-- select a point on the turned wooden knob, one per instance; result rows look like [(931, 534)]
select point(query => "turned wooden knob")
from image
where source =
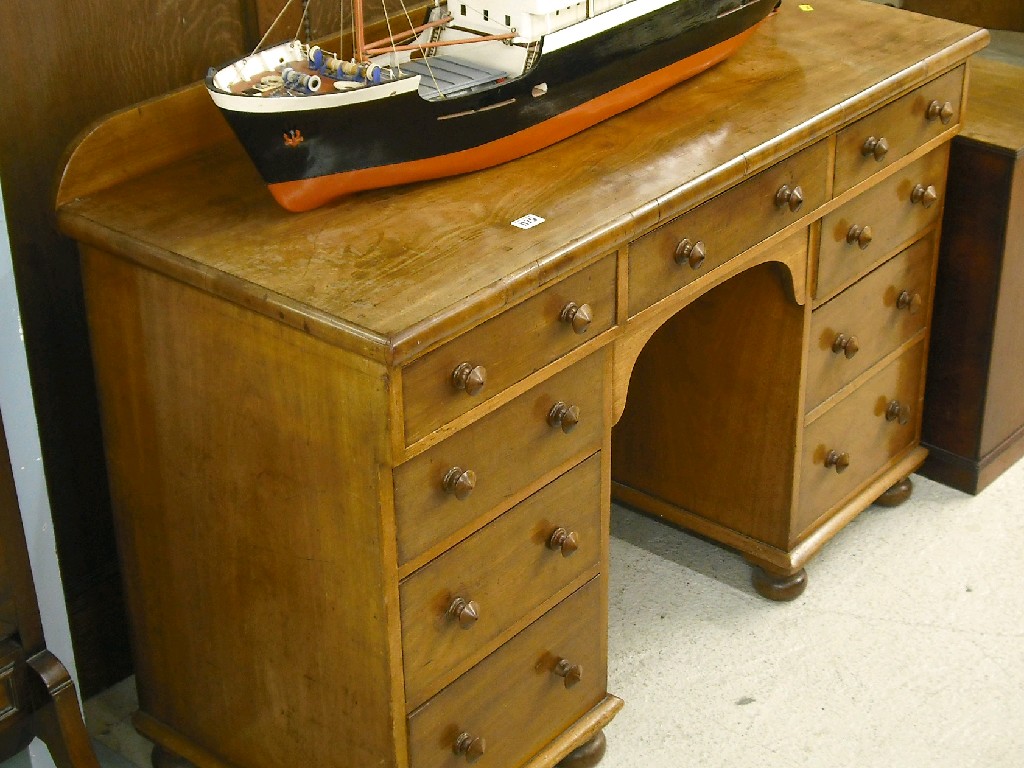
[(846, 344), (691, 253), (912, 302), (838, 461), (466, 612), (940, 110), (459, 482), (877, 148), (564, 541), (569, 672), (791, 196), (897, 411), (469, 378), (578, 316), (564, 416), (469, 746), (926, 196), (861, 235)]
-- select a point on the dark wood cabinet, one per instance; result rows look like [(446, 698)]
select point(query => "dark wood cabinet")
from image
[(974, 408)]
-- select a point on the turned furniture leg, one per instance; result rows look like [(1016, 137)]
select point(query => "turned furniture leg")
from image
[(776, 586), (58, 718), (897, 494), (587, 754)]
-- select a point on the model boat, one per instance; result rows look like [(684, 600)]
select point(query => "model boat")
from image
[(477, 83)]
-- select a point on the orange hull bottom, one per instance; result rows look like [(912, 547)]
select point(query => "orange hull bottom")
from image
[(306, 194)]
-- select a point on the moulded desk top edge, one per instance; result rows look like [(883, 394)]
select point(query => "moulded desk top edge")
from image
[(358, 276)]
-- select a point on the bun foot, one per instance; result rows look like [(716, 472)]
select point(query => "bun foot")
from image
[(587, 754), (779, 588), (897, 494)]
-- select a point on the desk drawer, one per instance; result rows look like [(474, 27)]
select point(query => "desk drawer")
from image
[(901, 127), (869, 320), (865, 231), (509, 347), (864, 435), (505, 451), (724, 227), (513, 701), (505, 570)]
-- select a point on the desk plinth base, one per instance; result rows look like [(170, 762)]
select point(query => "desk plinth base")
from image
[(581, 745)]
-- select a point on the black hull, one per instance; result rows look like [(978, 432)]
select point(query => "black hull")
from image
[(406, 128)]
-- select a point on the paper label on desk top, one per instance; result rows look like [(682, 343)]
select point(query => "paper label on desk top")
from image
[(528, 221), (806, 7)]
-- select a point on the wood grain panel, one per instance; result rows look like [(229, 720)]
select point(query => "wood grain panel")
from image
[(534, 327), (514, 700), (111, 55), (726, 225), (719, 378), (868, 312), (903, 124), (994, 14), (858, 427), (891, 215), (220, 541), (427, 514), (508, 569)]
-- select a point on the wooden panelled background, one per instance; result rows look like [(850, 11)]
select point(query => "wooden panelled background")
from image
[(994, 14), (72, 63)]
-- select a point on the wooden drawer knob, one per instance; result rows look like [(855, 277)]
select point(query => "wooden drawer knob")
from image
[(846, 344), (912, 302), (897, 411), (469, 378), (459, 482), (564, 416), (926, 196), (564, 541), (578, 316), (839, 461), (861, 235), (940, 110), (569, 672), (691, 253), (469, 746), (466, 612), (791, 196), (877, 148)]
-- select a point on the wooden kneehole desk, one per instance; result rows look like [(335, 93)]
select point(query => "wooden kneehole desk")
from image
[(361, 458)]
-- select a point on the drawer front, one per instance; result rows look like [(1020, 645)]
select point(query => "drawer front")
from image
[(459, 605), (860, 234), (897, 129), (505, 451), (668, 258), (864, 431), (869, 320), (514, 702), (508, 347)]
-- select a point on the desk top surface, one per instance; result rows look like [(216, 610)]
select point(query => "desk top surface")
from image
[(389, 272)]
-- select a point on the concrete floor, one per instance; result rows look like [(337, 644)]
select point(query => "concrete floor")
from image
[(907, 649)]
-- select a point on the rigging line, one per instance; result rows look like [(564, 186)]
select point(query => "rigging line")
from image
[(304, 21), (271, 27), (426, 58)]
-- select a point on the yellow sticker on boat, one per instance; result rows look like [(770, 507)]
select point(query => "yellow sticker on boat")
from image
[(806, 7)]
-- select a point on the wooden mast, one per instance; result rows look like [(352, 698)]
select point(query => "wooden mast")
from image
[(357, 24)]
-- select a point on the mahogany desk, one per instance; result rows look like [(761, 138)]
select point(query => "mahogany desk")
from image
[(362, 457)]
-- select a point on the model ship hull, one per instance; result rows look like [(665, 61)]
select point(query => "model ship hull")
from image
[(405, 138)]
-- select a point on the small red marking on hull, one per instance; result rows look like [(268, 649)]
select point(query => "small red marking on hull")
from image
[(306, 194)]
